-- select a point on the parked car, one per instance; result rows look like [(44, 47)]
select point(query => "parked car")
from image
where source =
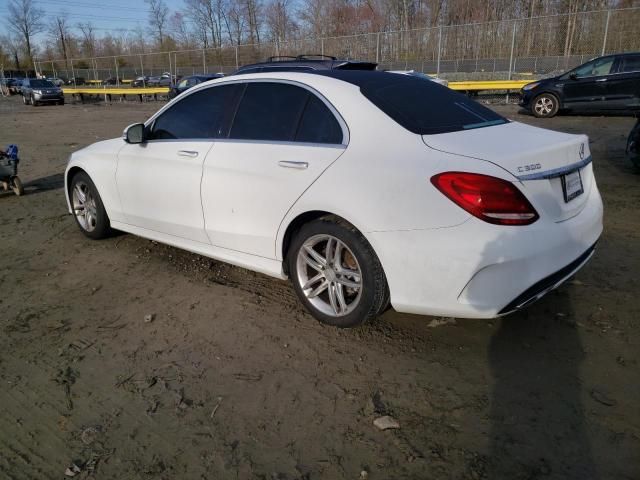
[(10, 84), (141, 81), (633, 145), (448, 222), (189, 82), (36, 91), (112, 81), (303, 63), (76, 81), (605, 84), (424, 76), (164, 80)]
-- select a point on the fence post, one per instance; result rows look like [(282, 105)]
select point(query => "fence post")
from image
[(237, 57), (115, 61), (606, 32), (513, 43), (439, 50), (53, 68), (204, 62), (378, 47), (322, 46), (73, 74)]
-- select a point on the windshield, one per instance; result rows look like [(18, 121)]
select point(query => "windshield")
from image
[(40, 83), (427, 108)]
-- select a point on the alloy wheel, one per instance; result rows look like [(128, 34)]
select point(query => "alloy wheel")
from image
[(329, 274), (544, 106), (84, 206)]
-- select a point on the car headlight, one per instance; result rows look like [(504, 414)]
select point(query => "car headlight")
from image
[(529, 86), (39, 92)]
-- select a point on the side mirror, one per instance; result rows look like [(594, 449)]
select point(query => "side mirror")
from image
[(134, 133), (573, 76)]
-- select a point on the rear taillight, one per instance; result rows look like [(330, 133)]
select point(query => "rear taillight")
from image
[(489, 198)]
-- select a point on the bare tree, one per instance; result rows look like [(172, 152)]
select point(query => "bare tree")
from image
[(25, 20), (59, 31), (12, 46), (88, 38), (158, 17)]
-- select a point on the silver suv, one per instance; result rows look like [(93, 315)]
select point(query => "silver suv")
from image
[(35, 91)]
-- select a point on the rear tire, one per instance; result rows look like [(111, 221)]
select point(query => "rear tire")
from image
[(88, 210), (16, 186), (336, 274), (24, 100), (545, 105)]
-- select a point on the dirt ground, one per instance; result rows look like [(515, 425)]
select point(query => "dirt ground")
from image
[(232, 379)]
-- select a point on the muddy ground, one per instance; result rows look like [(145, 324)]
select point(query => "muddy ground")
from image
[(232, 379)]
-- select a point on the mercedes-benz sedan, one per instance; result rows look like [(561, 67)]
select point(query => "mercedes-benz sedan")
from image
[(364, 188)]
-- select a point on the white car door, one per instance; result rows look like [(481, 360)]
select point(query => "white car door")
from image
[(159, 180), (282, 138)]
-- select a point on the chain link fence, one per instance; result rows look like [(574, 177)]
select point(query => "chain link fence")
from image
[(510, 49)]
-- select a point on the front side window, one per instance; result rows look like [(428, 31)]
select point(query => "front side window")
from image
[(596, 68), (200, 115)]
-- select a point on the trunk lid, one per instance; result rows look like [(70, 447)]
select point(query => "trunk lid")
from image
[(537, 157)]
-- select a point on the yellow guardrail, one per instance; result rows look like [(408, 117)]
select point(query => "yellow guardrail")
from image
[(116, 91), (463, 86), (489, 85)]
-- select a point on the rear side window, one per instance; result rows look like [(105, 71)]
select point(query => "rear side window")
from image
[(269, 111), (283, 112), (199, 115), (318, 124), (424, 107), (630, 63)]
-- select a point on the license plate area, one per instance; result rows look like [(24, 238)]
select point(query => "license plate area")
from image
[(572, 185)]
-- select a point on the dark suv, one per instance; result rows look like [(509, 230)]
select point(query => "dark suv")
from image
[(303, 63), (605, 84)]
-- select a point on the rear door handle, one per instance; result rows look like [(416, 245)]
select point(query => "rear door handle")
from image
[(187, 153), (601, 80), (297, 165)]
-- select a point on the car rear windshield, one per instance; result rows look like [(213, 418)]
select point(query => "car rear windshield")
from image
[(40, 83), (424, 107)]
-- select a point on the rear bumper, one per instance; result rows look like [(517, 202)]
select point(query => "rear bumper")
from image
[(478, 270)]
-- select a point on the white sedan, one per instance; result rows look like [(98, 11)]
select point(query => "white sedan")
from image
[(364, 188)]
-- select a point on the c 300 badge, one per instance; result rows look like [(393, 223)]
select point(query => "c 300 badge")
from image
[(529, 168)]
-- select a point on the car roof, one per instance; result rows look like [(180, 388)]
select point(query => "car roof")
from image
[(315, 62)]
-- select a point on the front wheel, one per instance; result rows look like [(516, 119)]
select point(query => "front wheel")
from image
[(88, 209), (336, 274), (545, 105), (33, 101)]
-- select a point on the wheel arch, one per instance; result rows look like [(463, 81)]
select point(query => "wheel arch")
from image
[(303, 218), (72, 172)]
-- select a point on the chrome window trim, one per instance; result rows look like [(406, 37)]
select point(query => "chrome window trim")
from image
[(343, 124)]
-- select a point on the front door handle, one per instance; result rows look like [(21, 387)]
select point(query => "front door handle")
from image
[(601, 80), (297, 165), (187, 153)]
